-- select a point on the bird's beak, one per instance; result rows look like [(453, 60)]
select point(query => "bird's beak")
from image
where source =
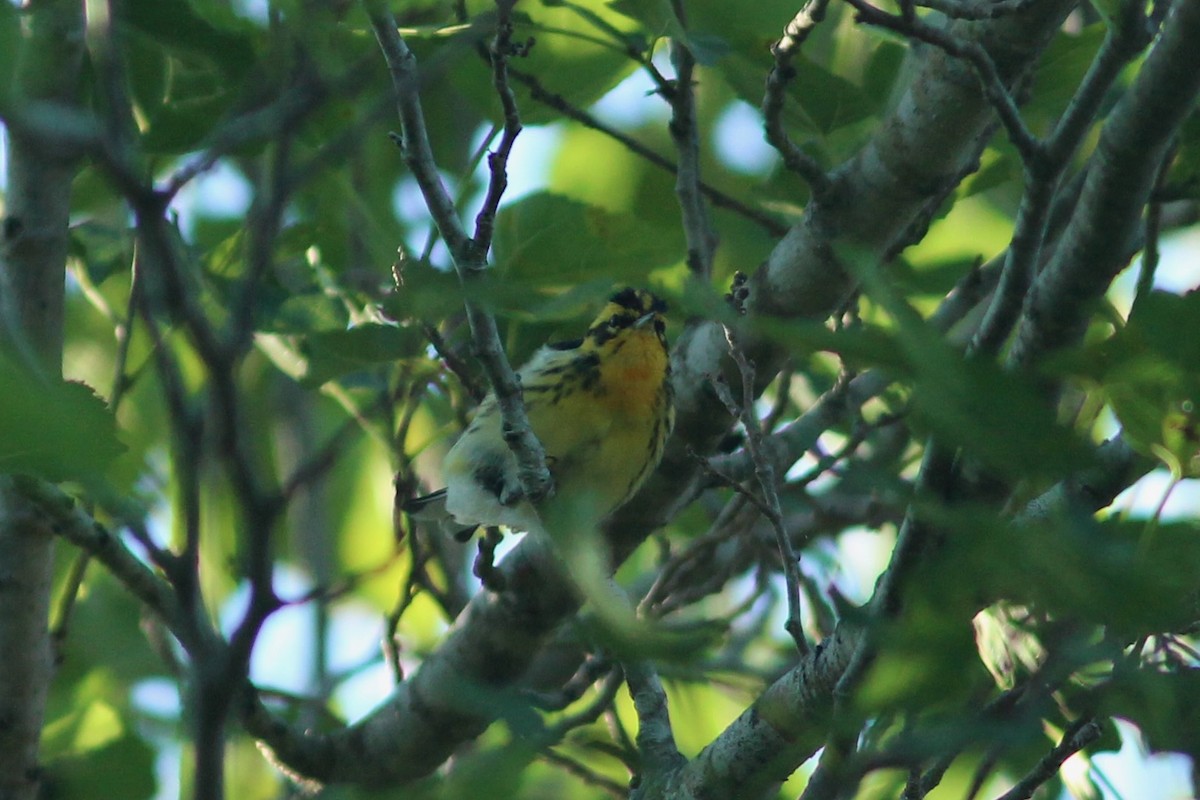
[(644, 319)]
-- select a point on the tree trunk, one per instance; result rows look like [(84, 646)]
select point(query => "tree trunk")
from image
[(33, 251)]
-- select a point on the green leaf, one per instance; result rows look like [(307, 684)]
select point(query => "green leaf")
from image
[(58, 430), (10, 42), (176, 25), (1151, 376), (706, 48), (928, 659), (122, 768), (1060, 71), (829, 100), (1184, 175), (550, 240), (1163, 705), (105, 631), (1134, 577), (331, 354), (994, 415), (580, 51), (1160, 316), (884, 68), (103, 249), (185, 72), (656, 16)]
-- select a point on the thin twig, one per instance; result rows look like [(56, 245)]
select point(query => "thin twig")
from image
[(764, 469), (1043, 168), (976, 9), (1153, 229), (718, 198), (533, 475), (501, 49), (778, 78), (585, 773), (408, 593), (593, 668), (697, 228), (67, 520), (1078, 735), (66, 602)]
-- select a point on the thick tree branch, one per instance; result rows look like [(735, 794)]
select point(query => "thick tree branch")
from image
[(33, 251), (655, 738), (1120, 177), (923, 143), (1042, 175), (469, 254)]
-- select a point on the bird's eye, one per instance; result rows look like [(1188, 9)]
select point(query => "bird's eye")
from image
[(615, 320)]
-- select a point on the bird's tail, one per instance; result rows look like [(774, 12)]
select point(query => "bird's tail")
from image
[(430, 510)]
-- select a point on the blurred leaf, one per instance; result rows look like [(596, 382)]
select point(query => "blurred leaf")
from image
[(549, 240), (829, 101), (106, 629), (57, 430), (1159, 316), (707, 49), (927, 660), (1059, 72), (89, 727), (1183, 179), (10, 39), (1133, 577), (999, 164), (996, 416), (185, 71), (149, 71), (1151, 376), (103, 249), (581, 50), (1009, 649), (862, 346), (301, 313), (176, 24), (331, 354), (656, 16), (1163, 705), (122, 768), (931, 277), (884, 69)]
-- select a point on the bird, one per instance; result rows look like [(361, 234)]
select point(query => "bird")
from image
[(601, 406)]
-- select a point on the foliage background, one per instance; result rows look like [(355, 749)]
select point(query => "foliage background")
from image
[(334, 387)]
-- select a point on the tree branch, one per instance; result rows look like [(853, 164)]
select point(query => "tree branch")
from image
[(778, 78), (655, 739), (698, 231), (33, 251), (1121, 174), (932, 129), (469, 260)]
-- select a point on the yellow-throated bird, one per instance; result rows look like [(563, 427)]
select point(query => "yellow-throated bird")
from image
[(601, 406)]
